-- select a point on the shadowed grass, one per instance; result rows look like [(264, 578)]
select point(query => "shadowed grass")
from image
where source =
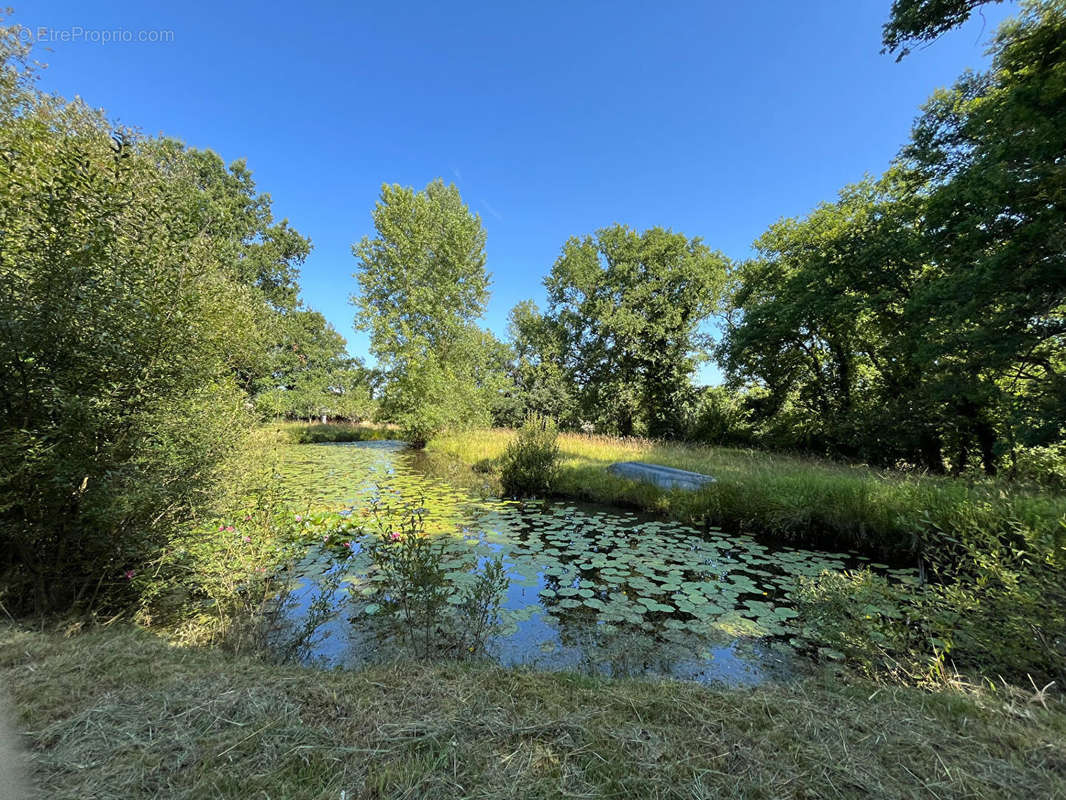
[(804, 500), (121, 714)]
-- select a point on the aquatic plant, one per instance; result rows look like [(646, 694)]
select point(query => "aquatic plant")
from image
[(437, 601), (530, 463)]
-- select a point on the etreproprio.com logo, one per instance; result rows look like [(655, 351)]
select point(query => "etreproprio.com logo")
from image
[(77, 34)]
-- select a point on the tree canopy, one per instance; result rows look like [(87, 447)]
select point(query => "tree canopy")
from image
[(913, 22), (423, 286)]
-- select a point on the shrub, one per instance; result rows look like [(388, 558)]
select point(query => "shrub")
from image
[(530, 464), (1044, 466), (124, 331), (424, 597)]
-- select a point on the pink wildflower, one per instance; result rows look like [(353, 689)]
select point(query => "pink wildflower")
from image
[(230, 529), (247, 540), (350, 545), (394, 536), (299, 518), (130, 573), (222, 527)]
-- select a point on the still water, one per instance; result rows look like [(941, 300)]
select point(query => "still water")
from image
[(589, 588)]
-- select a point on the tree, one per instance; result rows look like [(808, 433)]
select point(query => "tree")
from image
[(913, 22), (261, 252), (309, 372), (423, 284), (817, 322), (541, 385), (122, 331), (627, 308), (989, 153), (923, 316)]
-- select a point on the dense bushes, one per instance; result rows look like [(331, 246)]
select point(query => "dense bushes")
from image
[(1044, 466), (529, 465), (127, 336)]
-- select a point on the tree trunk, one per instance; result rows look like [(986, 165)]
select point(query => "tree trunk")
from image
[(932, 452)]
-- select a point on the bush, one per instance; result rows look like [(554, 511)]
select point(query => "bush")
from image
[(124, 330), (423, 594), (720, 418), (530, 464), (1044, 466)]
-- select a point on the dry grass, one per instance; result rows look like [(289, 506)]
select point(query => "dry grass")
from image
[(122, 714)]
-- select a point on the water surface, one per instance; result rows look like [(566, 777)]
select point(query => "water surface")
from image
[(590, 588)]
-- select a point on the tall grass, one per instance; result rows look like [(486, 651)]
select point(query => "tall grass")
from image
[(316, 433), (803, 500)]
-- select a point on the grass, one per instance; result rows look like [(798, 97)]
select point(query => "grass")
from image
[(315, 432), (804, 500), (119, 713)]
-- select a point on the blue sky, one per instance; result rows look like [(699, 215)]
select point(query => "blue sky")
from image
[(553, 119)]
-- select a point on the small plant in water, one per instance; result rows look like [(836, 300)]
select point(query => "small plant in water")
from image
[(434, 600), (530, 464)]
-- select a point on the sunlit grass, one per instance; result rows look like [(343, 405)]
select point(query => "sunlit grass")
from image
[(315, 432)]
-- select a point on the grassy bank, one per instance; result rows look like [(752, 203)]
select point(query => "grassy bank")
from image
[(119, 713), (316, 433), (796, 499)]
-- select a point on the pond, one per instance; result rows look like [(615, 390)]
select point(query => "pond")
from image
[(588, 588)]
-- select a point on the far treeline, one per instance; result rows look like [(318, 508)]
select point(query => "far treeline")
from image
[(914, 322), (150, 314)]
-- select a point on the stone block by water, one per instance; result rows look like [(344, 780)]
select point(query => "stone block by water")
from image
[(663, 477)]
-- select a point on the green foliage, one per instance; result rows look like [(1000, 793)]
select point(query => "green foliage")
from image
[(541, 385), (918, 21), (720, 417), (148, 296), (873, 624), (626, 309), (429, 397), (124, 334), (422, 285), (1044, 466), (1002, 619), (310, 374), (418, 595), (303, 433), (899, 325), (422, 277), (530, 464)]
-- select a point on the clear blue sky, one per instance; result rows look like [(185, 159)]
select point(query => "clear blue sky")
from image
[(553, 119)]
